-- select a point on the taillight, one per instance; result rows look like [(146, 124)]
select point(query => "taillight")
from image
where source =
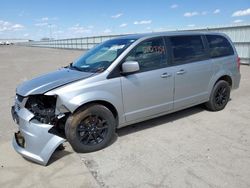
[(238, 63)]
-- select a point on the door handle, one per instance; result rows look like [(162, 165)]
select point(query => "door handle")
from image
[(180, 72), (166, 75)]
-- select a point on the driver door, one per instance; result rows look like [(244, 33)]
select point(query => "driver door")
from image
[(150, 91)]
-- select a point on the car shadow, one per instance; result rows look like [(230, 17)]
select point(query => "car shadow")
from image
[(58, 154), (159, 121)]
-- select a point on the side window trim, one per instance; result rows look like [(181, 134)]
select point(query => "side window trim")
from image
[(169, 50), (206, 46)]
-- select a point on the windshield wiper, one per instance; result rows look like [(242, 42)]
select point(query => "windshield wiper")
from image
[(67, 66), (98, 70), (74, 67)]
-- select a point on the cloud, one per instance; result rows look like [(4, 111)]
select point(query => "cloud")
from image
[(117, 16), (26, 34), (173, 6), (21, 14), (17, 26), (191, 25), (203, 13), (160, 29), (107, 31), (123, 25), (142, 22), (90, 27), (8, 26), (78, 29), (42, 24), (44, 19), (216, 11), (58, 32), (190, 14), (238, 21), (245, 12)]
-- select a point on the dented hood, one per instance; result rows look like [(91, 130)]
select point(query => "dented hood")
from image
[(50, 81)]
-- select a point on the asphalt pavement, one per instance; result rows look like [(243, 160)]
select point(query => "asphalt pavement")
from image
[(190, 148)]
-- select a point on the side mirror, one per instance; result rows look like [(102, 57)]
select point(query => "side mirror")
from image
[(130, 67)]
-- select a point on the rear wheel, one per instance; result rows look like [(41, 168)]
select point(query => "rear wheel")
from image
[(90, 129), (219, 96)]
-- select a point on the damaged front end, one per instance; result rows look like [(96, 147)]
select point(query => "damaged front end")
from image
[(41, 127), (43, 107)]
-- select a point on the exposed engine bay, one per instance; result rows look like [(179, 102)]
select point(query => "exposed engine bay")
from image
[(43, 107)]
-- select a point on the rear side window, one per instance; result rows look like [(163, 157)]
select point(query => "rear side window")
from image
[(219, 46), (187, 49)]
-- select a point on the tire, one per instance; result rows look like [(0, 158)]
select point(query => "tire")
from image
[(90, 129), (219, 96)]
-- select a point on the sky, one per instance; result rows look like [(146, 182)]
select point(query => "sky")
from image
[(27, 19)]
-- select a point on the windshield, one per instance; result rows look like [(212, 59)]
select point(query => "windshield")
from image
[(102, 56)]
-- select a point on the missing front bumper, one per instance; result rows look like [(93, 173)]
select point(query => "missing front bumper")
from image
[(33, 141), (14, 115), (19, 139)]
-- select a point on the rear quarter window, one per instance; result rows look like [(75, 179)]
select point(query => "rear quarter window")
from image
[(219, 46)]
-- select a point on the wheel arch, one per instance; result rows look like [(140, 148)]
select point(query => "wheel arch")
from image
[(107, 104), (226, 78)]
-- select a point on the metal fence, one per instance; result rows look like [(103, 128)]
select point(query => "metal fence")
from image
[(240, 35), (73, 43)]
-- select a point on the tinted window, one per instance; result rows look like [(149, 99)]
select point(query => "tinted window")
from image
[(187, 49), (219, 46), (150, 55)]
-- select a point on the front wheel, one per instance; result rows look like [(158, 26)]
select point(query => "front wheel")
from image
[(219, 96), (90, 128)]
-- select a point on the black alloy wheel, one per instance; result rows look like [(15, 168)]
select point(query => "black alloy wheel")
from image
[(90, 128), (219, 96)]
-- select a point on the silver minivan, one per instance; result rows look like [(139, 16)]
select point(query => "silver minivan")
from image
[(120, 82)]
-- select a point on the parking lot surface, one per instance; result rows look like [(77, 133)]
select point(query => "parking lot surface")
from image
[(190, 148)]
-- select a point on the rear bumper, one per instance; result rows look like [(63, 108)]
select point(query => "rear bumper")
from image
[(33, 141), (236, 81)]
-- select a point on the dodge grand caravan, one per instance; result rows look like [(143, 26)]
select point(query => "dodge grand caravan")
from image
[(120, 82)]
